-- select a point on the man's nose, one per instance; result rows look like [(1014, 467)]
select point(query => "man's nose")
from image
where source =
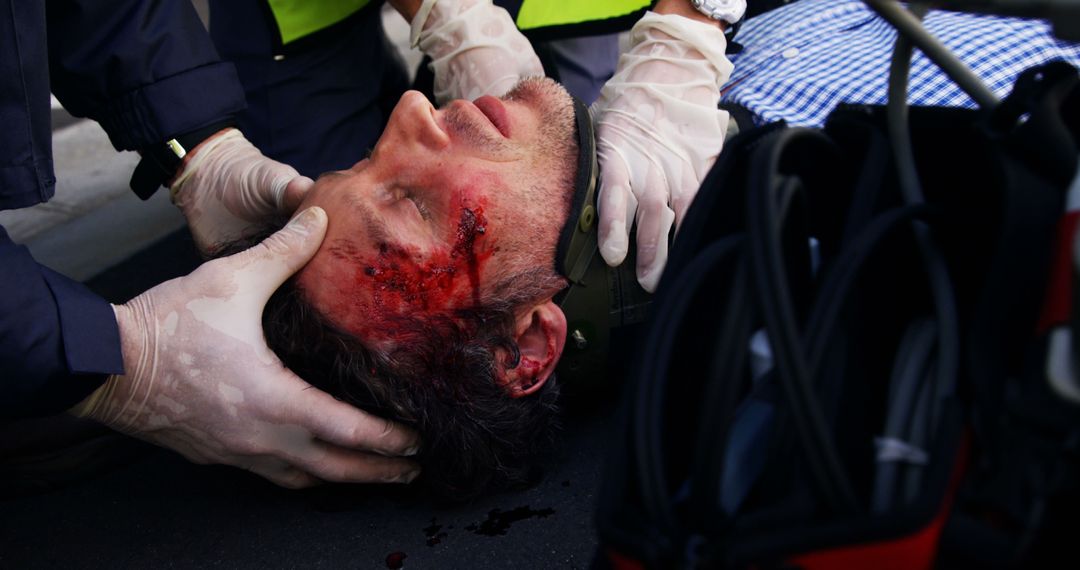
[(415, 117)]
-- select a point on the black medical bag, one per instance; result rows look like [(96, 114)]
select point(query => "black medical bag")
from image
[(835, 376)]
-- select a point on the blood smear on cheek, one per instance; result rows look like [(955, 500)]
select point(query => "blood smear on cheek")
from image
[(403, 288)]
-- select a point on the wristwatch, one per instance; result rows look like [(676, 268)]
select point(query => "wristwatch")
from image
[(730, 11), (160, 162)]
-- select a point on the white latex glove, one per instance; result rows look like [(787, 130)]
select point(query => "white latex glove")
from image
[(658, 133), (228, 190), (201, 380), (475, 48)]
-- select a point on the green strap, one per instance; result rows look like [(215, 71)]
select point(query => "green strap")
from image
[(543, 13), (298, 18)]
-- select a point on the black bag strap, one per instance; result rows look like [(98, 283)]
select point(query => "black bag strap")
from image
[(725, 380), (635, 502), (649, 398), (770, 210), (718, 209), (1044, 159)]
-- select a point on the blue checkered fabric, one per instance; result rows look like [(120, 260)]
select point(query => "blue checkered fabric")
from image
[(803, 59)]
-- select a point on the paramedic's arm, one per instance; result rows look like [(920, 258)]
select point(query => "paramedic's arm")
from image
[(199, 378), (148, 72), (475, 47), (685, 9), (659, 131), (115, 63), (57, 340)]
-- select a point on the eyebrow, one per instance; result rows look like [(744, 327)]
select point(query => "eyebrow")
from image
[(376, 227)]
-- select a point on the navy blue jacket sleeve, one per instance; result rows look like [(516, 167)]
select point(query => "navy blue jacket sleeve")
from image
[(58, 341), (147, 71)]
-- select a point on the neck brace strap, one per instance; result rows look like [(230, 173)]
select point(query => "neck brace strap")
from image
[(599, 297), (578, 241)]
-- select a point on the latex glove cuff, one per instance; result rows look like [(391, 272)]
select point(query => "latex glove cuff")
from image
[(419, 21), (161, 162)]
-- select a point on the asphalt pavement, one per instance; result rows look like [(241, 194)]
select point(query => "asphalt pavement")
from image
[(152, 509)]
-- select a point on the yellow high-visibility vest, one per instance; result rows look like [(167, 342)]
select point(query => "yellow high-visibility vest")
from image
[(298, 18), (536, 14)]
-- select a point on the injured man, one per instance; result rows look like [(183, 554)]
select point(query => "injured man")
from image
[(430, 301), (460, 256)]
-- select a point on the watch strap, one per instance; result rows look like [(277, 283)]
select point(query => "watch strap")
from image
[(730, 11), (160, 162)]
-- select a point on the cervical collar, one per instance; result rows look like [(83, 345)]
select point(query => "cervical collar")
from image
[(600, 298)]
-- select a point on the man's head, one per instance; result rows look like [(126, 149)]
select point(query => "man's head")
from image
[(430, 300)]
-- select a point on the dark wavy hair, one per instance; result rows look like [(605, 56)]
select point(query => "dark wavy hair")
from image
[(441, 380)]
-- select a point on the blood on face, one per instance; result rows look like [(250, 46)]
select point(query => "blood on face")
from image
[(399, 282)]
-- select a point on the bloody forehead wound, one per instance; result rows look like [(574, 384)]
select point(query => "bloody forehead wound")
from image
[(396, 283)]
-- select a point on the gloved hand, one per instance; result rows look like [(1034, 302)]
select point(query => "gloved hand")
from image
[(201, 380), (475, 48), (228, 190), (658, 133)]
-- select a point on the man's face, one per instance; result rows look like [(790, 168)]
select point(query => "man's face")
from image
[(449, 201)]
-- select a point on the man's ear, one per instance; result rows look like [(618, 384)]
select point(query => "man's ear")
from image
[(540, 334)]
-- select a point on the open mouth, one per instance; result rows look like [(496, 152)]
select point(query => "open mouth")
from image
[(494, 110)]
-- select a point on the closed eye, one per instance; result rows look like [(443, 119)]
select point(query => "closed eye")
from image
[(420, 207)]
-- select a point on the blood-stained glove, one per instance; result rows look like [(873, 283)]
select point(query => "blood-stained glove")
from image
[(201, 380), (475, 48), (228, 190), (658, 133)]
